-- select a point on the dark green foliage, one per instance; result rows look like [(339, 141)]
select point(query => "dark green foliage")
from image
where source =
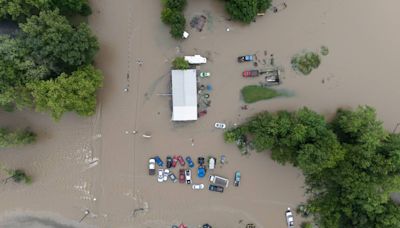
[(177, 5), (242, 10), (10, 138), (177, 25), (57, 45), (263, 5), (75, 92), (306, 62), (19, 10), (351, 166), (19, 176), (180, 63)]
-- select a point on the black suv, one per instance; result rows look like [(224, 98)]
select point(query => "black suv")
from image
[(216, 188)]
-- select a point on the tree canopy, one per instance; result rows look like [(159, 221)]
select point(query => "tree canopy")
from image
[(351, 164), (246, 10), (10, 138)]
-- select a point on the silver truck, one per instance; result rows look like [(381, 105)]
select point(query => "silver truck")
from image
[(219, 181)]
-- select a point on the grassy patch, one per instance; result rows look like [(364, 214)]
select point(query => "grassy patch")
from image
[(254, 93)]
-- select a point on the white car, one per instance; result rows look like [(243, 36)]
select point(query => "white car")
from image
[(289, 218), (152, 166), (220, 125), (196, 59), (160, 175), (198, 186), (166, 174), (211, 163), (188, 176)]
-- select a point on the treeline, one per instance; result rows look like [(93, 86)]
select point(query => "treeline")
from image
[(351, 164), (47, 63)]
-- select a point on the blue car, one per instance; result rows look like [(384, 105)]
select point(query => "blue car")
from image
[(189, 161), (201, 172), (245, 58), (159, 161)]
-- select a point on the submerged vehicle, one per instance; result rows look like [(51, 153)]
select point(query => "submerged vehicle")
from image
[(204, 74), (152, 166), (188, 176), (220, 181), (201, 171), (196, 59), (216, 188), (211, 163), (237, 179), (250, 73), (159, 161), (189, 161), (289, 218), (245, 58), (169, 162)]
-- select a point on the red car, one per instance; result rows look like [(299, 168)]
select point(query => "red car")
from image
[(181, 161), (174, 161), (250, 73), (182, 176)]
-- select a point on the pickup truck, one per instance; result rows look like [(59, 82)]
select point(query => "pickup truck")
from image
[(250, 73), (219, 181)]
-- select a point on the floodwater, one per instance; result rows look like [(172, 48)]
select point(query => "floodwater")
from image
[(100, 164)]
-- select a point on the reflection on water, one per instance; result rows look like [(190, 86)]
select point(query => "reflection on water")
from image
[(33, 221)]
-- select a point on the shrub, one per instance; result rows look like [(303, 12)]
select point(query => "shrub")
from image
[(242, 10), (254, 93), (306, 62), (14, 138), (263, 5), (177, 5), (180, 63)]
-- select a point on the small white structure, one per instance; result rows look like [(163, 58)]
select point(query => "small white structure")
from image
[(185, 35), (196, 59), (184, 95)]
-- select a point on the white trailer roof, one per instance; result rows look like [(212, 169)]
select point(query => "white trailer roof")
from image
[(184, 95)]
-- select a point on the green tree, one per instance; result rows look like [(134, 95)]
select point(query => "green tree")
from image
[(306, 62), (17, 68), (242, 10), (263, 5), (18, 176), (56, 44), (19, 10), (177, 5), (10, 138), (75, 92), (180, 63)]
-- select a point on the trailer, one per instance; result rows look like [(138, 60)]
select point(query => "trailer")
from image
[(196, 59), (219, 181)]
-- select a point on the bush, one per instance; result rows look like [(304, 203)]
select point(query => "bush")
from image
[(177, 5), (180, 63), (254, 93), (306, 225), (242, 10), (306, 62), (324, 50), (263, 5), (14, 138)]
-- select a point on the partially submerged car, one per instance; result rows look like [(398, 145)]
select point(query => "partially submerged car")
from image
[(216, 188), (166, 174), (152, 166), (201, 171), (220, 125), (169, 162), (211, 163), (189, 161), (159, 161), (174, 161), (198, 186), (245, 58), (200, 160), (289, 218), (160, 177), (181, 176), (204, 74), (250, 73), (196, 59), (237, 178), (181, 161), (173, 177), (188, 176)]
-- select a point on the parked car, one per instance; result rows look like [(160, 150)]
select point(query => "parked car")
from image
[(173, 177), (289, 218), (189, 161), (201, 171), (211, 163), (188, 176), (198, 186), (220, 125), (166, 174), (169, 162), (182, 176), (195, 59), (236, 181), (200, 160), (152, 166), (250, 73), (174, 161), (204, 74), (206, 226), (216, 188), (245, 58), (159, 161), (160, 175), (181, 161)]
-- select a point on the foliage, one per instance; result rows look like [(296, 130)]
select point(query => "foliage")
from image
[(242, 10), (351, 165), (178, 26), (17, 67), (263, 5), (10, 138), (324, 50), (19, 10), (19, 176), (306, 225), (75, 92), (177, 5), (180, 63), (56, 44), (254, 93), (306, 62)]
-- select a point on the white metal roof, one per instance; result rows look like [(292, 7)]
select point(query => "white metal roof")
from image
[(184, 95)]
